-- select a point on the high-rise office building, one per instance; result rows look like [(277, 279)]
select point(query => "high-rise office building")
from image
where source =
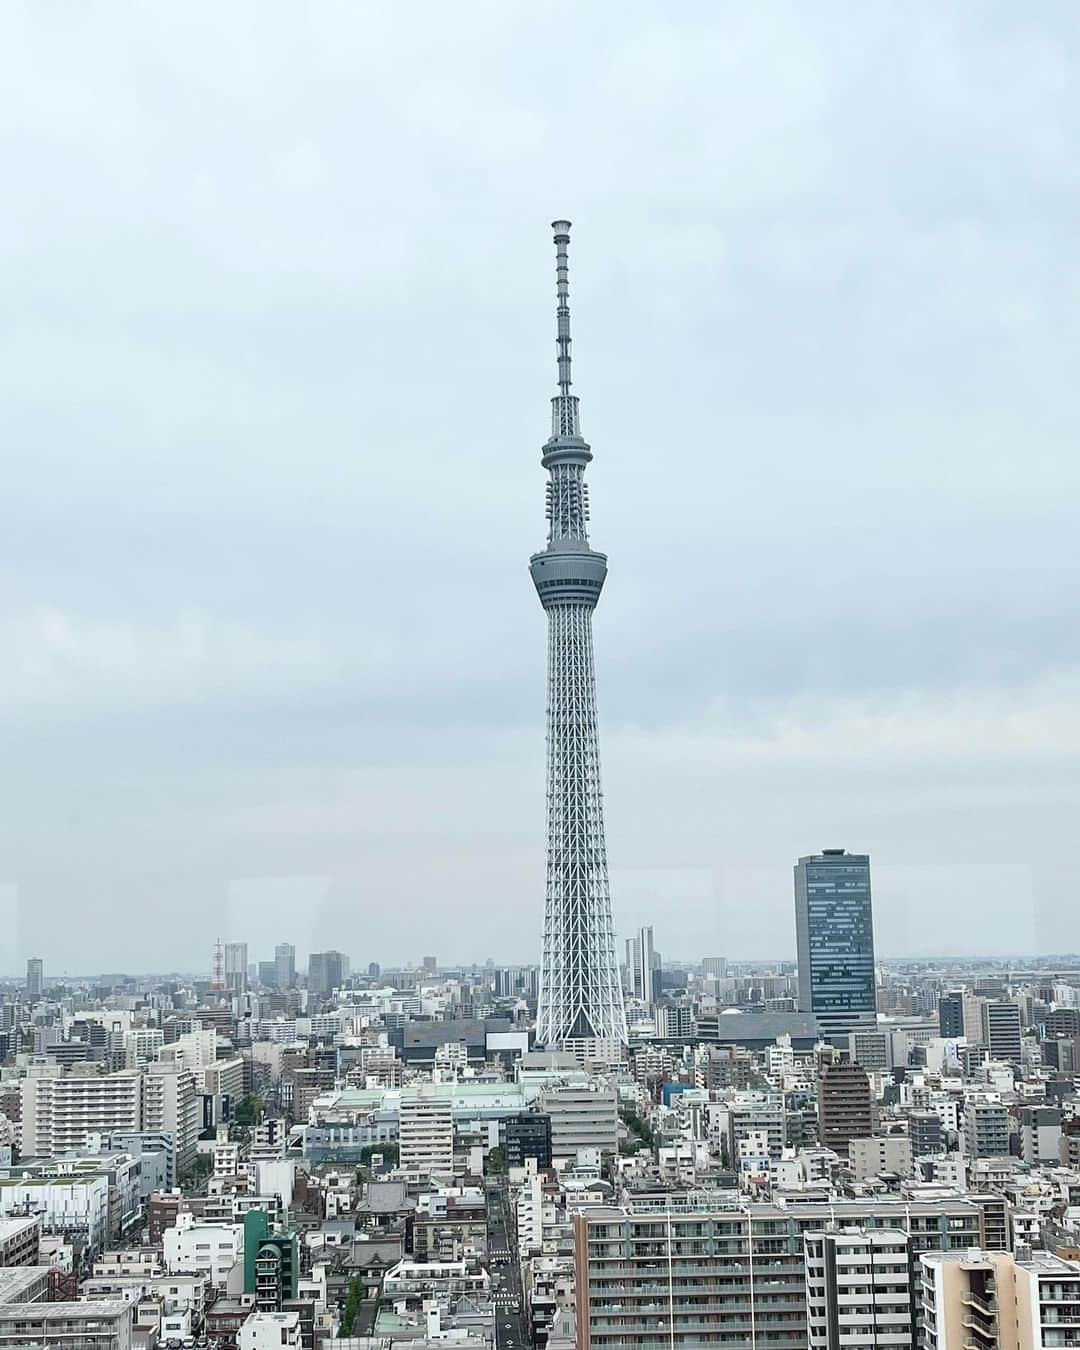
[(35, 979), (236, 967), (285, 960), (951, 1014), (645, 979), (642, 966), (1001, 1030), (834, 933), (631, 966), (580, 1004), (327, 971)]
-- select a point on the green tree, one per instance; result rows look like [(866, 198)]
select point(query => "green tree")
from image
[(249, 1110), (496, 1161), (352, 1306)]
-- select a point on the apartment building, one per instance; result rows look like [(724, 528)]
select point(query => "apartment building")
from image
[(859, 1289), (426, 1135), (881, 1155), (982, 1300), (986, 1128), (223, 1083), (84, 1324), (1040, 1135), (754, 1113), (582, 1117), (60, 1112), (845, 1106), (172, 1107), (190, 1247), (20, 1241), (650, 1278)]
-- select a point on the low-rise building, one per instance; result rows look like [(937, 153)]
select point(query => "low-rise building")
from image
[(191, 1247), (269, 1331), (20, 1241), (83, 1324)]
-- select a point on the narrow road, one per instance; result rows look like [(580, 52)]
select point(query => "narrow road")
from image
[(511, 1323)]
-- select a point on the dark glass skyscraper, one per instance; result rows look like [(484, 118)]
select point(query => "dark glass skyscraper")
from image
[(834, 929), (951, 1014)]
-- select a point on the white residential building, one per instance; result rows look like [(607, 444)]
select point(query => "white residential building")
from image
[(224, 1082), (191, 1247), (172, 1106), (859, 1289), (269, 1331), (426, 1135), (60, 1112), (194, 1050), (530, 1215), (141, 1045), (226, 1158)]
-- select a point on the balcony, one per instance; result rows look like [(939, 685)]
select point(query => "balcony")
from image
[(988, 1307)]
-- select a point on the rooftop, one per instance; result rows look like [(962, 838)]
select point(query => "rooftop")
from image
[(81, 1310)]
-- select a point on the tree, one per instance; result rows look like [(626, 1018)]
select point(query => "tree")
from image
[(352, 1306), (249, 1110), (496, 1161)]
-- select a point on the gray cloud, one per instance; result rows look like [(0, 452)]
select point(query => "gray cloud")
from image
[(274, 376)]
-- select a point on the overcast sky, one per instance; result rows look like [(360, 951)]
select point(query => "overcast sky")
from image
[(278, 344)]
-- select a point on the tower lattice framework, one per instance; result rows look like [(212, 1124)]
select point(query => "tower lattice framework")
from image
[(580, 990)]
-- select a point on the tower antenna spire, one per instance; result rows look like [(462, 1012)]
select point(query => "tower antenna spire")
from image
[(565, 422), (562, 312)]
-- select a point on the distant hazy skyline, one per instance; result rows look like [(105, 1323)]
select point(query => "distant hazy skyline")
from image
[(279, 310)]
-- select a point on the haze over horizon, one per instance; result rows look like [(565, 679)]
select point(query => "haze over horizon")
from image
[(280, 346)]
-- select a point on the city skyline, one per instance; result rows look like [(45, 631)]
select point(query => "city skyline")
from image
[(830, 359), (739, 1007)]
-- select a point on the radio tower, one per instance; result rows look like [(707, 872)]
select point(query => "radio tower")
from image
[(580, 1004)]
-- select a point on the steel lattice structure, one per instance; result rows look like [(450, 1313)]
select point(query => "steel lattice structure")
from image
[(580, 990)]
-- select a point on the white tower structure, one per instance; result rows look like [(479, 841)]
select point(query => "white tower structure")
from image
[(580, 999)]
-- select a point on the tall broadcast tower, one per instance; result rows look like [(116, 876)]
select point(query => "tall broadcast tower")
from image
[(580, 1004)]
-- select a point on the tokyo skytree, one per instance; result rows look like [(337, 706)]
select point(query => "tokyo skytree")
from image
[(580, 1003)]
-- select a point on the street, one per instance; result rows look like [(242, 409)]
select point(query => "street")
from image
[(511, 1320)]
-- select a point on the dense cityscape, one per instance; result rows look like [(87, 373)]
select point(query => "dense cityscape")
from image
[(600, 1149), (263, 1155)]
